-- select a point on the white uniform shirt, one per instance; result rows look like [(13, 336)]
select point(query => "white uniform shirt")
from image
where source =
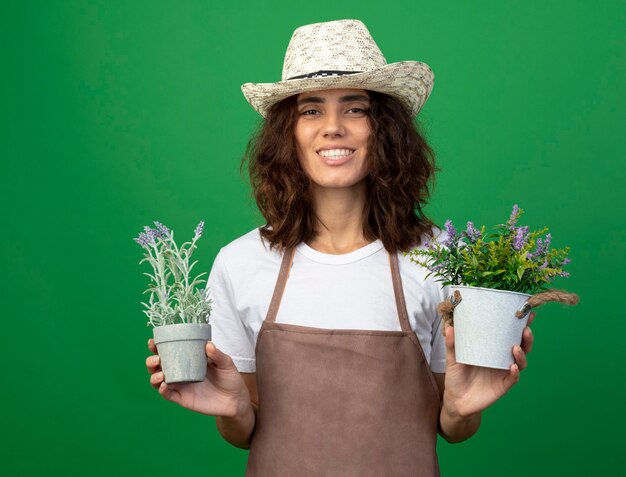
[(348, 291)]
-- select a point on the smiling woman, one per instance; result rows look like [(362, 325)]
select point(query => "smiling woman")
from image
[(332, 132), (322, 363), (299, 158)]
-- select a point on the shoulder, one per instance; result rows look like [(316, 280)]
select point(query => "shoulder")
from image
[(246, 253), (419, 275), (436, 235), (250, 243)]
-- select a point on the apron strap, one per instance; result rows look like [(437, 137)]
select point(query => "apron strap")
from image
[(283, 275), (399, 293)]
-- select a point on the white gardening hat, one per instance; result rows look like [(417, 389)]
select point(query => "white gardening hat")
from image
[(341, 54)]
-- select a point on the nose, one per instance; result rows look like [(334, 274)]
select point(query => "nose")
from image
[(333, 125)]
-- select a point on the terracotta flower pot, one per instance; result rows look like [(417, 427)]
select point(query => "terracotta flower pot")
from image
[(182, 351), (485, 326)]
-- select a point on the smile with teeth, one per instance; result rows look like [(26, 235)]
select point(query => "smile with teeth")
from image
[(336, 153)]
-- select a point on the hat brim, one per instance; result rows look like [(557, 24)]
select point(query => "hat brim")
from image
[(409, 81)]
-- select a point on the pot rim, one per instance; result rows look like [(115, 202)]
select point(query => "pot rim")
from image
[(181, 324), (181, 332), (527, 295)]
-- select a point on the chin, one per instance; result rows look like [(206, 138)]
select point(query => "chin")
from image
[(340, 184)]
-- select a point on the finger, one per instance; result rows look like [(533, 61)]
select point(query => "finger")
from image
[(520, 357), (157, 379), (152, 347), (450, 351), (531, 317), (170, 393), (153, 363), (218, 358), (528, 340), (512, 378)]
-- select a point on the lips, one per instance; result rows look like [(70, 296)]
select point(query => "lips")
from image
[(336, 157), (338, 153)]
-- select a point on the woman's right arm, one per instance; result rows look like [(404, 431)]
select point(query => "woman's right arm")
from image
[(224, 393)]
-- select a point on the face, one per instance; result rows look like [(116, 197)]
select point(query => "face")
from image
[(332, 130)]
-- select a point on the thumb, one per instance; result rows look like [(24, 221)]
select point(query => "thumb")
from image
[(217, 358), (450, 352)]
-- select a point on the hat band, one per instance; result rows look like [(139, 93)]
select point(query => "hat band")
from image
[(323, 73)]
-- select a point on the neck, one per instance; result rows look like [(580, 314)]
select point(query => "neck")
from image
[(339, 214)]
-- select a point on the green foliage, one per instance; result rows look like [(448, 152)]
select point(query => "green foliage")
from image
[(509, 258), (174, 298)]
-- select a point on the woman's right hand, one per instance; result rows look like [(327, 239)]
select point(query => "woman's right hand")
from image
[(222, 393)]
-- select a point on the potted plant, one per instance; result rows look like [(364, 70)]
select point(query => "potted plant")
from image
[(178, 311), (495, 280)]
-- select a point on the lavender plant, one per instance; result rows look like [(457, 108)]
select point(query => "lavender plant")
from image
[(509, 258), (174, 297)]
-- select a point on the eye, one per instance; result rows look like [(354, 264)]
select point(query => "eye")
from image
[(309, 112), (357, 111)]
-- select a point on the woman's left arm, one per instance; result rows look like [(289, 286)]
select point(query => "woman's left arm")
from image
[(468, 390)]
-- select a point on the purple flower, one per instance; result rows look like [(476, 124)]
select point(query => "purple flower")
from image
[(199, 229), (521, 235), (539, 248), (143, 240), (515, 213), (472, 233), (152, 234), (430, 245), (564, 274), (146, 238), (162, 231), (566, 261), (542, 246), (543, 265), (451, 231), (450, 228)]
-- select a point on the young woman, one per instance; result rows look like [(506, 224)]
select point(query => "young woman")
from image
[(328, 356)]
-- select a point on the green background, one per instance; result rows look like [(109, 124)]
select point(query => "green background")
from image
[(115, 114)]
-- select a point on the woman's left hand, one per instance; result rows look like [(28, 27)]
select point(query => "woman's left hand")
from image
[(471, 389)]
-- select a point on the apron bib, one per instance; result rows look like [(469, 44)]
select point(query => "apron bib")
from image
[(342, 402)]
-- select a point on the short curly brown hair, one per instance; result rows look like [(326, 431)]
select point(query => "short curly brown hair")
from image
[(401, 163)]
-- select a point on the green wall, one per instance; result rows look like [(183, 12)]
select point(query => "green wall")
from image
[(115, 114)]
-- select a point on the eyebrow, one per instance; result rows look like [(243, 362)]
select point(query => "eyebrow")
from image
[(344, 99)]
